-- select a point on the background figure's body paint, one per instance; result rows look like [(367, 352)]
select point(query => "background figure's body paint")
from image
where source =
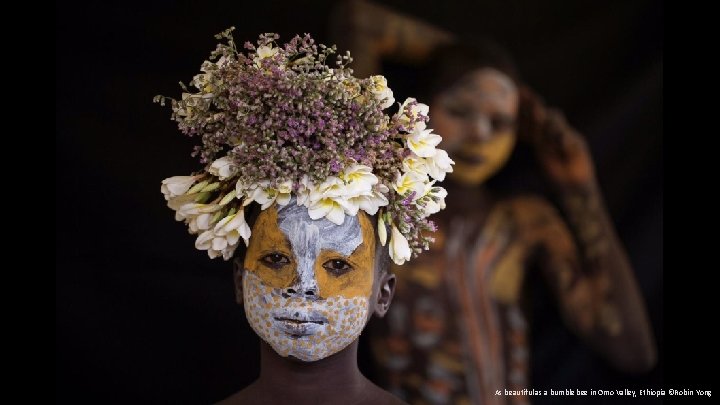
[(301, 309)]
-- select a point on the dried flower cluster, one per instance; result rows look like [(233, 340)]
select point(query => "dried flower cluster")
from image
[(277, 122)]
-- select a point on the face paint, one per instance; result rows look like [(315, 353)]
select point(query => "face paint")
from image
[(307, 283), (475, 164), (477, 121)]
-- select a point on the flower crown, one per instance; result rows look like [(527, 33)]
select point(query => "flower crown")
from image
[(278, 123)]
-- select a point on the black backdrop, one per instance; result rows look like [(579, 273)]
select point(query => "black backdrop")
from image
[(142, 317)]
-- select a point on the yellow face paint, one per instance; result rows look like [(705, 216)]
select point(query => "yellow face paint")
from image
[(353, 283), (307, 283), (268, 239), (476, 163), (476, 118)]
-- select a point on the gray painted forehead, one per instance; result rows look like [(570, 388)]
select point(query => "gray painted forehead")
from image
[(295, 222), (469, 84)]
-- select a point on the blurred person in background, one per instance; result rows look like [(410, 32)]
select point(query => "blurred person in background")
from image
[(459, 330)]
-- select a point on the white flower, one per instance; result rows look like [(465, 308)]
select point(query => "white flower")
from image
[(265, 195), (304, 188), (204, 240), (350, 205), (328, 208), (399, 248), (382, 230), (199, 223), (330, 188), (423, 142), (263, 52), (304, 60), (358, 179), (222, 61), (434, 199), (381, 91), (330, 200), (223, 238), (190, 210), (416, 164), (243, 191), (439, 164), (266, 51), (197, 216), (415, 111), (261, 196), (227, 253), (371, 201), (175, 203), (409, 182), (214, 245), (232, 228), (176, 186), (344, 195), (352, 88), (208, 66), (223, 168), (283, 192), (202, 82), (197, 209)]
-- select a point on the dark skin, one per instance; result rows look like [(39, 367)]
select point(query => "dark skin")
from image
[(583, 260), (561, 151), (332, 380), (622, 335)]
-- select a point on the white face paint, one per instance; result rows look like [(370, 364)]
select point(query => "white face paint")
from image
[(312, 303)]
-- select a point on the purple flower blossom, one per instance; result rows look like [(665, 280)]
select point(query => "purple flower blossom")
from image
[(409, 199)]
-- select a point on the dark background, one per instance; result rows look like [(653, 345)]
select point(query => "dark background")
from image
[(143, 317)]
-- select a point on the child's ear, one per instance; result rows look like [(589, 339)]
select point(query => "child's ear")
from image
[(237, 275), (385, 295)]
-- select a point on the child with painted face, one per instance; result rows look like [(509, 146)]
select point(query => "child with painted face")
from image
[(334, 187), (309, 287)]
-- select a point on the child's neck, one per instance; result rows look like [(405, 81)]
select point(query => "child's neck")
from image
[(335, 379)]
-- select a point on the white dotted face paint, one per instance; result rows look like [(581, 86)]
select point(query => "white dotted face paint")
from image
[(305, 329), (307, 284)]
